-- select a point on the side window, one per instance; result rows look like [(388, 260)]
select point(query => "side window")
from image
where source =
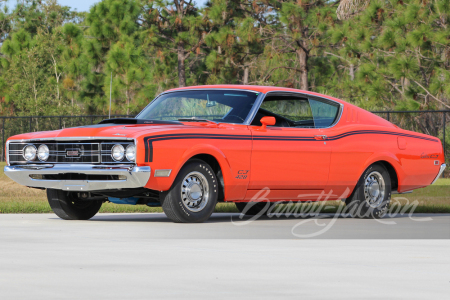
[(324, 113), (294, 112)]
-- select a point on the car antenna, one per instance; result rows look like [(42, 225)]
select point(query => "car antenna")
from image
[(110, 92)]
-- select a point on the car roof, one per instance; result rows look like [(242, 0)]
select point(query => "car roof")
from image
[(364, 116), (256, 88)]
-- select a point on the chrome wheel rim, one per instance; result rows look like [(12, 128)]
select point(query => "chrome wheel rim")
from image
[(195, 191), (374, 189)]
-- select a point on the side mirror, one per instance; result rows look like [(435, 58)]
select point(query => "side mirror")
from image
[(267, 121)]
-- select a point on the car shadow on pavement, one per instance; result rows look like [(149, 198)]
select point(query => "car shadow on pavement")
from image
[(227, 217)]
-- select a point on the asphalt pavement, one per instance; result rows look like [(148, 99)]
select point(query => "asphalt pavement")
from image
[(145, 256)]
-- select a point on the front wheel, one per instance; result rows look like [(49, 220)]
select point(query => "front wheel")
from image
[(372, 194), (193, 195), (68, 206)]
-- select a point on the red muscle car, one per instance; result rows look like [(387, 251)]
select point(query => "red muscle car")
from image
[(193, 147)]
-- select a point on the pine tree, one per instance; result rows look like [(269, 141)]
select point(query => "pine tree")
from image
[(302, 26), (177, 27), (31, 70), (237, 39), (112, 47), (399, 53), (379, 55)]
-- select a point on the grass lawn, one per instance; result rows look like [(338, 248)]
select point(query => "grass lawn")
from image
[(15, 198)]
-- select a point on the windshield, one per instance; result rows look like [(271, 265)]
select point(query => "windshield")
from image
[(228, 106)]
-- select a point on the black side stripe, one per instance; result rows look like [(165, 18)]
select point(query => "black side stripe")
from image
[(336, 137), (148, 141)]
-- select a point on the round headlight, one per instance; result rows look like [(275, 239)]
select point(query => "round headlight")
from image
[(29, 153), (131, 153), (117, 152), (43, 153)]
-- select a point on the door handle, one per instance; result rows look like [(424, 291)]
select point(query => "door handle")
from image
[(320, 137)]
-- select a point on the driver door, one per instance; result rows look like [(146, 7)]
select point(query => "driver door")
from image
[(291, 158)]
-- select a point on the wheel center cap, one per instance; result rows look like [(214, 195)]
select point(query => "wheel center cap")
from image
[(374, 189), (194, 191)]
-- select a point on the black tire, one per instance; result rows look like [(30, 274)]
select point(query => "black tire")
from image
[(67, 206), (183, 207), (362, 203), (252, 208)]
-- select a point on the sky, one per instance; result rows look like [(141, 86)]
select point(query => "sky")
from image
[(84, 5)]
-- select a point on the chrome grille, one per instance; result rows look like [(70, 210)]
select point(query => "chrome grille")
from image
[(59, 152), (106, 151), (77, 152)]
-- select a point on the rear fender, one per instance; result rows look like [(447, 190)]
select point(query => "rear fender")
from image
[(389, 158)]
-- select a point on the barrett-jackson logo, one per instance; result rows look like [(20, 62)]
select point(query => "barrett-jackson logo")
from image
[(423, 155)]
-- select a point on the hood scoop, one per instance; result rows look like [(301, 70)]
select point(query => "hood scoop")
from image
[(128, 121)]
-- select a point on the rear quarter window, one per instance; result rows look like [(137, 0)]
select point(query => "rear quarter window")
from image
[(324, 113)]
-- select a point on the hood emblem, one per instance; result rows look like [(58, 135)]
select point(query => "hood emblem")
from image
[(119, 134)]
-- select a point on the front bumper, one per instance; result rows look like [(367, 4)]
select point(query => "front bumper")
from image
[(130, 176), (441, 170)]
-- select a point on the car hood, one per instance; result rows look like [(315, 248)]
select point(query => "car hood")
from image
[(102, 131)]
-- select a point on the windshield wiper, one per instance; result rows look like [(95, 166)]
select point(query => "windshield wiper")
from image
[(195, 119)]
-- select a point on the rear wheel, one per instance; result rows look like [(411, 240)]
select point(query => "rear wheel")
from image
[(372, 194), (193, 195), (68, 206)]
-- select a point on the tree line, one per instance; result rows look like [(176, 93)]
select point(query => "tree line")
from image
[(380, 55)]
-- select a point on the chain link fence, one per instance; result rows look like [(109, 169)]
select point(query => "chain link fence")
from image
[(433, 123)]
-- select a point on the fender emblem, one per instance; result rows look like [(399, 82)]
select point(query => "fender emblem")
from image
[(423, 155)]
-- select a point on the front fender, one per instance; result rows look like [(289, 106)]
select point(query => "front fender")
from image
[(164, 183), (209, 150)]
